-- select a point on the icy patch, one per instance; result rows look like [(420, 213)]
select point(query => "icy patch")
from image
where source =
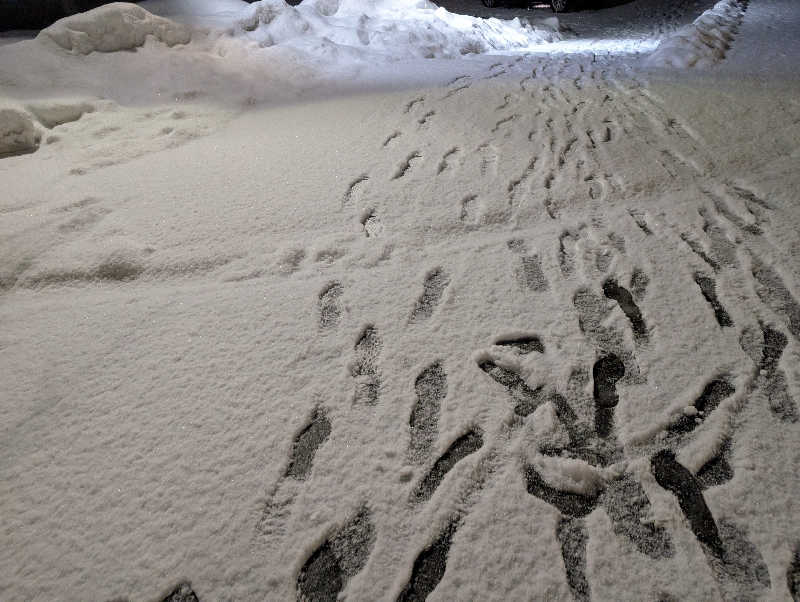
[(704, 42), (395, 28), (114, 27)]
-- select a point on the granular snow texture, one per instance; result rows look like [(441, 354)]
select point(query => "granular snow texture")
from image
[(502, 327)]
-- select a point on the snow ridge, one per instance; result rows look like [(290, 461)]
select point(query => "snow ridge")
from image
[(706, 41)]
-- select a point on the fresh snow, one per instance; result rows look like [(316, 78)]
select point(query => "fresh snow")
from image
[(379, 301)]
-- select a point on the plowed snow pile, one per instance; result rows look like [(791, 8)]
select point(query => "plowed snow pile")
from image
[(114, 27), (289, 311), (265, 51), (395, 28), (704, 42)]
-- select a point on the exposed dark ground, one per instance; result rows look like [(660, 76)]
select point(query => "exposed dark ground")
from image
[(35, 14)]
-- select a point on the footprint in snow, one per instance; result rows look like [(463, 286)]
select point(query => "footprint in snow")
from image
[(429, 566), (425, 119), (613, 290), (330, 308), (773, 292), (391, 138), (305, 446), (413, 103), (793, 575), (340, 557), (431, 389), (591, 438), (529, 271), (709, 290), (407, 165), (365, 369), (765, 347), (447, 159), (433, 288), (373, 227), (355, 189), (182, 593)]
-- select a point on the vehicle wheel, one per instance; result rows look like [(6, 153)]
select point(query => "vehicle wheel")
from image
[(489, 3), (558, 6)]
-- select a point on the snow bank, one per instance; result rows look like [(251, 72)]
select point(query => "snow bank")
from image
[(396, 28), (113, 27), (247, 53), (704, 42), (17, 133), (328, 28)]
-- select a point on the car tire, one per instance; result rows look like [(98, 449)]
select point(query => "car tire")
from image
[(559, 6)]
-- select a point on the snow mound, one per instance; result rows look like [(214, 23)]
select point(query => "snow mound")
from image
[(397, 28), (18, 135), (570, 475), (705, 41), (113, 27), (56, 112)]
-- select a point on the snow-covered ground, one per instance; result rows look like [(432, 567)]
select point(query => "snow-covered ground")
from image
[(380, 301)]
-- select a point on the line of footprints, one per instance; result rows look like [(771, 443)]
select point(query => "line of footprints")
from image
[(588, 421), (589, 424)]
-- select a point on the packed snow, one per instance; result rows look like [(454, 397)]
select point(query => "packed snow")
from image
[(381, 301)]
